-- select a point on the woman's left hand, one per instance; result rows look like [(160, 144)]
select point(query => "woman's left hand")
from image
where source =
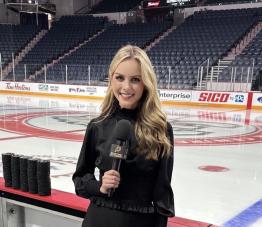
[(110, 179)]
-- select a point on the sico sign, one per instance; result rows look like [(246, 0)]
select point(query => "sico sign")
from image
[(214, 97)]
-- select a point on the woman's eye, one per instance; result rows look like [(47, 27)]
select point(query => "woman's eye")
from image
[(135, 79), (120, 78)]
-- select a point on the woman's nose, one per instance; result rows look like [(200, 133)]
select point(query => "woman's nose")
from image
[(126, 84)]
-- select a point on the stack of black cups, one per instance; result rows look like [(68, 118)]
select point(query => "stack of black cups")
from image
[(31, 175), (43, 177), (27, 174), (6, 160), (15, 171), (23, 173)]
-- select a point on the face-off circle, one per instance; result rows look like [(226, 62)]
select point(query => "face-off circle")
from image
[(206, 133), (71, 125), (24, 124)]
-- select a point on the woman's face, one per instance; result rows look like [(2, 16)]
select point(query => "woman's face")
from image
[(127, 85)]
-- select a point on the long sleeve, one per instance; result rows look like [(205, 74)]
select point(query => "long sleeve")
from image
[(84, 179), (163, 193)]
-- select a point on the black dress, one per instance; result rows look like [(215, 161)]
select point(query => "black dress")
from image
[(144, 196)]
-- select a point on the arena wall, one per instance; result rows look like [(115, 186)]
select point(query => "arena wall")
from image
[(238, 100), (7, 16)]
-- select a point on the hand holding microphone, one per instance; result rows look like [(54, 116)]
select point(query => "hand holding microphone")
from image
[(118, 152), (111, 179)]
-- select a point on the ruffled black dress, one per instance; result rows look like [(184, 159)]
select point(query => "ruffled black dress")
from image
[(144, 197)]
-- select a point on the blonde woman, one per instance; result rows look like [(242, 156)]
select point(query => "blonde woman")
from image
[(143, 196)]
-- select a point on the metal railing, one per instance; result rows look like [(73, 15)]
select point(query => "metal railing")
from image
[(202, 72), (232, 78), (167, 76), (60, 73)]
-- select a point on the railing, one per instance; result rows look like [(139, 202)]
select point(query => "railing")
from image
[(32, 6), (233, 2), (68, 74), (232, 78), (168, 77), (163, 74), (27, 2), (202, 72), (83, 10)]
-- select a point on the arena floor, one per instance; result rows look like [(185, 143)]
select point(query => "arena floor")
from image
[(217, 174)]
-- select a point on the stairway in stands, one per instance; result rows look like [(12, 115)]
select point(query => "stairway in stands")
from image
[(226, 61), (10, 67)]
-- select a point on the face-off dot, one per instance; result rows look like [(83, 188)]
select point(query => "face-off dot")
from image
[(213, 168)]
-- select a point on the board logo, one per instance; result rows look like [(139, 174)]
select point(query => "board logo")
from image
[(214, 97), (259, 99)]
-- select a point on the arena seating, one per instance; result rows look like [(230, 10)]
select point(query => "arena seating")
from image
[(13, 38), (204, 35), (65, 34), (202, 39), (99, 52), (252, 56), (240, 70), (247, 65)]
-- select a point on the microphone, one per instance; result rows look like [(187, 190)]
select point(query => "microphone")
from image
[(119, 147)]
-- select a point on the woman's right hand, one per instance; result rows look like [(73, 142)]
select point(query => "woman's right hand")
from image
[(110, 179)]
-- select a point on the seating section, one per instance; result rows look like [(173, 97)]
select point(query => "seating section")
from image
[(108, 6), (241, 70), (254, 53), (64, 35), (247, 66), (202, 39), (13, 38), (99, 52)]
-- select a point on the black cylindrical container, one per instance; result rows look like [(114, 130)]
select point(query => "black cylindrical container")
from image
[(23, 173), (31, 175), (7, 173), (15, 170), (43, 177)]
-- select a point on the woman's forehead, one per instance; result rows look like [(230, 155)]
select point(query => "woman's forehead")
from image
[(128, 67)]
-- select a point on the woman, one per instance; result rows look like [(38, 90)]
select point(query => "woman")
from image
[(142, 196)]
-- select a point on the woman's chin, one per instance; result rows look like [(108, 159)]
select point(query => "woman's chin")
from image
[(127, 105)]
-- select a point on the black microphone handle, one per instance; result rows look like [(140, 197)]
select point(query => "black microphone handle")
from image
[(115, 166)]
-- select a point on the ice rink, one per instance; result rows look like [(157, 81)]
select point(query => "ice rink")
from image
[(217, 174)]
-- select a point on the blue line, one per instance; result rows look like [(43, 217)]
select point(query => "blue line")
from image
[(246, 217)]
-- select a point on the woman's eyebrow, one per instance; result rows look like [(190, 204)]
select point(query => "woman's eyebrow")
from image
[(128, 76), (119, 74), (136, 76)]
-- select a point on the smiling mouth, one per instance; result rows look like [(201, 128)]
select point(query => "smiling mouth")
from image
[(126, 95)]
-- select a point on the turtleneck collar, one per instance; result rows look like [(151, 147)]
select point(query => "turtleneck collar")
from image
[(123, 113)]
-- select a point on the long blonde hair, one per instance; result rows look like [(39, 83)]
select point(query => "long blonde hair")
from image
[(151, 125)]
